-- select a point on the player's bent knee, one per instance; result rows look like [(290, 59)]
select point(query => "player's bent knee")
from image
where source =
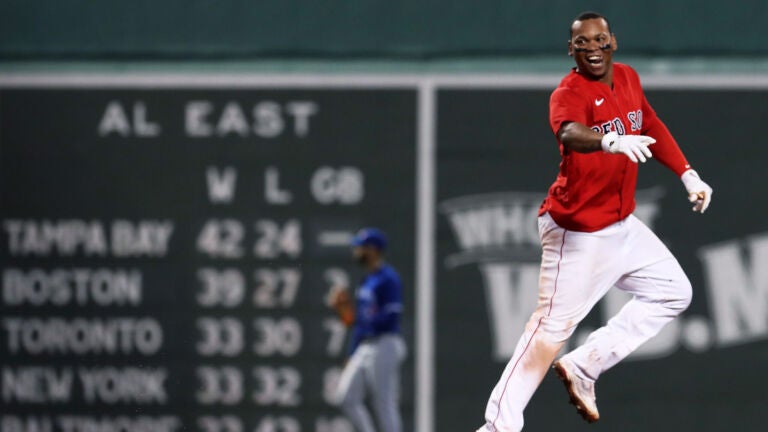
[(557, 329), (556, 332), (684, 296)]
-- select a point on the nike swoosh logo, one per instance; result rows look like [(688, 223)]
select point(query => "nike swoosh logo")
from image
[(599, 102)]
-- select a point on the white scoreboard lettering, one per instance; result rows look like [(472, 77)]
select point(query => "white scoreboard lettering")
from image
[(165, 252)]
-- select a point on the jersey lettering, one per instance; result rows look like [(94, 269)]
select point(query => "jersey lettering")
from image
[(614, 125), (618, 126), (635, 119)]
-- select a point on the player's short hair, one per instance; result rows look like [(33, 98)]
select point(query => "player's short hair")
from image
[(585, 16)]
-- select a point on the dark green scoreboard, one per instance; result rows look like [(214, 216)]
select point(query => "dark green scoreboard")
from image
[(167, 243), (166, 251), (703, 371)]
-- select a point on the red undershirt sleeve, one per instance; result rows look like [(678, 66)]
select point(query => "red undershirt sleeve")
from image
[(665, 150)]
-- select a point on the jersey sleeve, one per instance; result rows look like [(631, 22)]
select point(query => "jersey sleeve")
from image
[(390, 305), (565, 105), (665, 150)]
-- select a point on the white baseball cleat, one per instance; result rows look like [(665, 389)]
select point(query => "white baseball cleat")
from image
[(581, 391)]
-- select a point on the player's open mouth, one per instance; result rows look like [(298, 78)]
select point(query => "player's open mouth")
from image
[(595, 60)]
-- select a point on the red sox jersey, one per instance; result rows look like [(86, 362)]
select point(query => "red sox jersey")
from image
[(595, 190)]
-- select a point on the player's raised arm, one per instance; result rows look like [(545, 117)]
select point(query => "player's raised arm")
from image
[(579, 138), (666, 149), (567, 118), (668, 152)]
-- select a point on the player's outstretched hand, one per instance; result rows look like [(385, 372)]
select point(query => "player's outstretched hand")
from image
[(699, 192), (634, 146)]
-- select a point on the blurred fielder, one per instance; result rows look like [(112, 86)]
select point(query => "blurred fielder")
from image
[(590, 239), (376, 348)]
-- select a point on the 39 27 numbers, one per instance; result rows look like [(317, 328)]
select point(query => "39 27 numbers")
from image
[(228, 337), (272, 288)]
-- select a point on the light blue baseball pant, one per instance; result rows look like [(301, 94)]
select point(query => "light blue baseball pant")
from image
[(373, 367)]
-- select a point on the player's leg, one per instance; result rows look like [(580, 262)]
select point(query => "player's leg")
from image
[(661, 291), (350, 392), (576, 272), (386, 382)]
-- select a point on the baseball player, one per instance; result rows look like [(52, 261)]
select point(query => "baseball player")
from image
[(590, 240), (376, 346)]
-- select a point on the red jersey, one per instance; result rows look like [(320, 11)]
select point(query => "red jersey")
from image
[(594, 190)]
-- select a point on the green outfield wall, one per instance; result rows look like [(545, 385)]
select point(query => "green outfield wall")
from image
[(239, 29), (167, 242)]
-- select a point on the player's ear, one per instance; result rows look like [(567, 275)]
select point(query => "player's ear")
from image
[(570, 48), (614, 43)]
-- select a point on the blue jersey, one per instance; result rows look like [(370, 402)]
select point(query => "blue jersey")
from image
[(378, 305)]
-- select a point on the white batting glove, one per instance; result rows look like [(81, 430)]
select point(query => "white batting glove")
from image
[(698, 192), (634, 146)]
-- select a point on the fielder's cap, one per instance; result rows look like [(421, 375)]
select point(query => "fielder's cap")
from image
[(370, 237)]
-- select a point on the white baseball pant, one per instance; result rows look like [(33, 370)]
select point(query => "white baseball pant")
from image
[(577, 269), (375, 364)]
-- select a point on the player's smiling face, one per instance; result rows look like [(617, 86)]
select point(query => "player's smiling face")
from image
[(592, 46)]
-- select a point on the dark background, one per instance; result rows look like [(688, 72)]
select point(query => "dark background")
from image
[(489, 141), (241, 29), (710, 58), (504, 135), (65, 171)]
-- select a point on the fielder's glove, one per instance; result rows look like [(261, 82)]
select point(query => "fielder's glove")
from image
[(634, 146), (698, 192), (340, 300)]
